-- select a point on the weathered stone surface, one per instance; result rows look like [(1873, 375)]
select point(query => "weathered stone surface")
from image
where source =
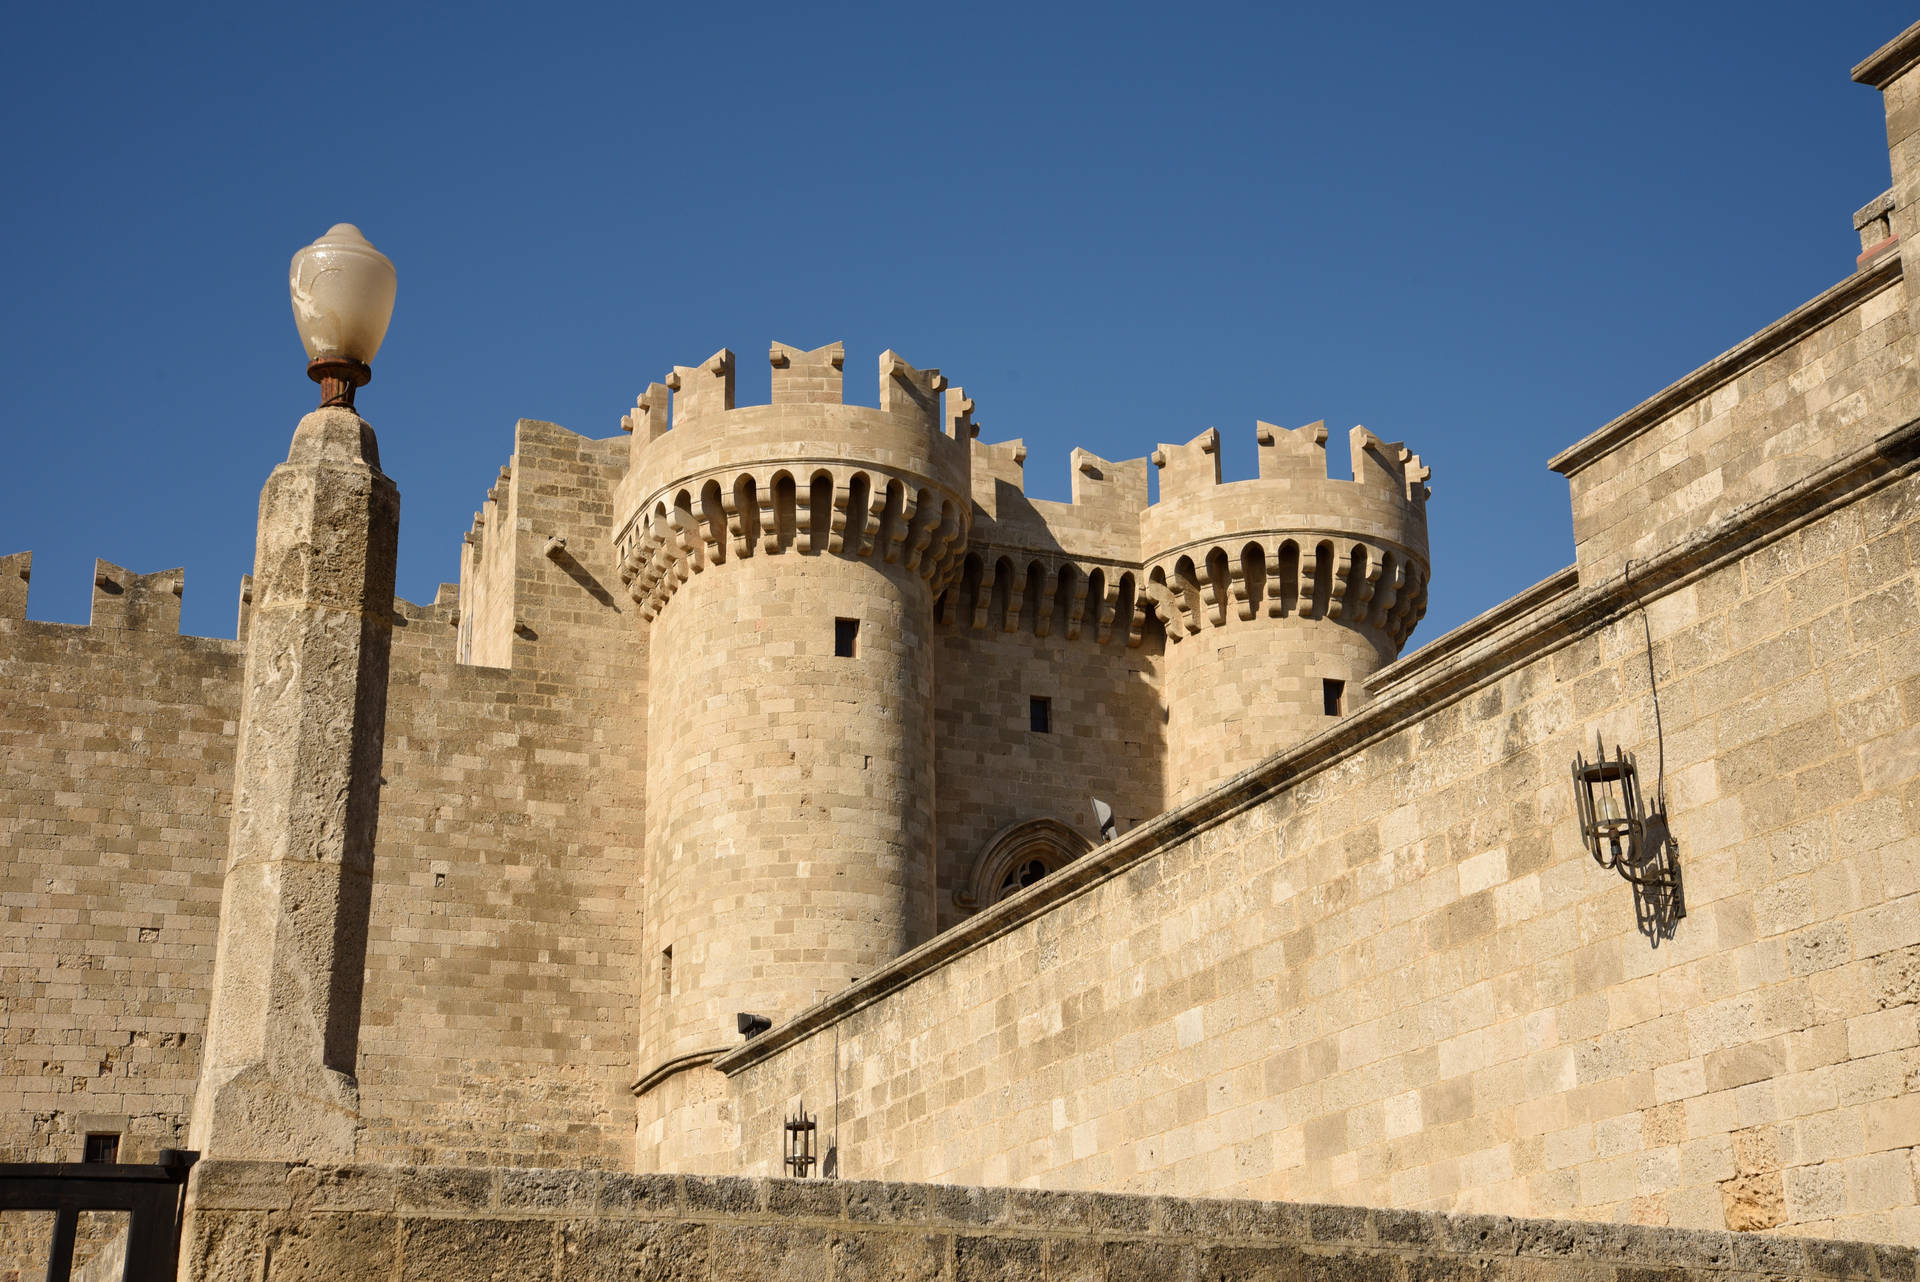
[(997, 1259), (660, 1250), (765, 1233), (283, 1030), (502, 1250), (899, 1257)]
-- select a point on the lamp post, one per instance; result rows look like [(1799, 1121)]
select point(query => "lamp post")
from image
[(277, 1073), (342, 291)]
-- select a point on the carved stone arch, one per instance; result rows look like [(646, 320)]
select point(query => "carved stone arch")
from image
[(921, 525), (1000, 590), (996, 870), (819, 524), (713, 515), (783, 531), (1350, 586), (1185, 582), (1023, 596), (1131, 606), (1250, 580), (1285, 599), (1096, 613), (890, 527), (743, 514), (1070, 600), (1216, 587), (965, 594), (947, 540), (1322, 580)]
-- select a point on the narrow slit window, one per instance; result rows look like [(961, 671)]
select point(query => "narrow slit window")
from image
[(1040, 714), (846, 637), (1333, 693), (666, 971), (102, 1149)]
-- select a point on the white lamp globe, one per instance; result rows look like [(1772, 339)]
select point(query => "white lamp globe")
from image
[(342, 290)]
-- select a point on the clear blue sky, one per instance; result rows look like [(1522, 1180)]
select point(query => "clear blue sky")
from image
[(1481, 229)]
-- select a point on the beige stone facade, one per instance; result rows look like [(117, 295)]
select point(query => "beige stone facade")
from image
[(799, 710)]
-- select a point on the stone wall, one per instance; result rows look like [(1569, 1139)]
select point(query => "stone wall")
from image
[(500, 1009), (261, 1222), (993, 771), (1810, 388), (1382, 968), (114, 800)]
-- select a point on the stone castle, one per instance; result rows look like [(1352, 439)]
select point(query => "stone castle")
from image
[(797, 712)]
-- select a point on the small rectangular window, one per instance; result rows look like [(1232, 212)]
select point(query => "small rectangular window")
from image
[(846, 636), (1334, 694), (1040, 715), (666, 971), (102, 1149)]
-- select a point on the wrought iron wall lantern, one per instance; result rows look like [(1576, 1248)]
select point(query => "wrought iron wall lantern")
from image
[(1607, 790), (1626, 837), (801, 1130)]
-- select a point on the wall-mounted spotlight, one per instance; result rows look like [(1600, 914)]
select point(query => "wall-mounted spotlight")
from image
[(751, 1025), (1103, 816)]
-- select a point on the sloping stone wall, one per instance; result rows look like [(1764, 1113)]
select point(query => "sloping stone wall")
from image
[(1383, 969)]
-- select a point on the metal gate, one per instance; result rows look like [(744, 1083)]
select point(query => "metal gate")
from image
[(152, 1196)]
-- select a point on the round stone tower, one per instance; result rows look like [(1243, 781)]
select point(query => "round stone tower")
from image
[(785, 558), (1280, 595)]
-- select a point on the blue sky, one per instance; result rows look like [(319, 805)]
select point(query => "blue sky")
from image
[(1484, 230)]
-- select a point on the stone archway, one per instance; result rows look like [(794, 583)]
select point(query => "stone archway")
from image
[(1017, 856)]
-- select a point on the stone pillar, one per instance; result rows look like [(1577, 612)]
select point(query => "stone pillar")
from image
[(276, 1079)]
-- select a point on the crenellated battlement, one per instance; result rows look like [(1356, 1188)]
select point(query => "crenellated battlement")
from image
[(1293, 541), (142, 602), (1296, 456), (910, 482), (805, 473)]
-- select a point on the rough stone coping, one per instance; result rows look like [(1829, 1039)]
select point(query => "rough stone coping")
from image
[(1805, 319), (511, 1194), (1879, 207), (1880, 67)]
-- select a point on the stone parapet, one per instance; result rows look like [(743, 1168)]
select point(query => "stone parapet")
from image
[(406, 1222), (804, 473), (1820, 382), (1291, 541)]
